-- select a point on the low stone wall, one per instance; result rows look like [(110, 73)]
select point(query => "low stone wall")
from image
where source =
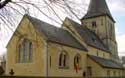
[(50, 77)]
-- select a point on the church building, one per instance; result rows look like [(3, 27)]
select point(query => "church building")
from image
[(85, 50)]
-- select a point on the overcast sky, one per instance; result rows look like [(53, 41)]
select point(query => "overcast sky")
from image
[(117, 9)]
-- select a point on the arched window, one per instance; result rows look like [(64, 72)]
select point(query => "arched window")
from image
[(77, 61), (63, 59)]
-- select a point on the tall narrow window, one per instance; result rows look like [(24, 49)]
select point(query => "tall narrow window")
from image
[(94, 26), (97, 53), (50, 61), (30, 51), (60, 59), (25, 50), (108, 73), (111, 31), (119, 73), (64, 60), (114, 73), (19, 54), (77, 59)]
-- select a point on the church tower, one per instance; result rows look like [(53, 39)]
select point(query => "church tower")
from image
[(99, 20)]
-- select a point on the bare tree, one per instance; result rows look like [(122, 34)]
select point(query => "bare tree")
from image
[(11, 9), (53, 10)]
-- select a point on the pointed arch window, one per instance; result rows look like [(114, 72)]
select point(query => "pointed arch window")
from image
[(63, 60)]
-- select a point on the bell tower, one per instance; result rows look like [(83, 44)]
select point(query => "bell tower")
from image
[(99, 20)]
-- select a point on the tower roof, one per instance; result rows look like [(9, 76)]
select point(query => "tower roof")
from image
[(97, 8)]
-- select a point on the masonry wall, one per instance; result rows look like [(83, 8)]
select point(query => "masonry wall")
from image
[(97, 52), (54, 70), (113, 72), (34, 68), (97, 71)]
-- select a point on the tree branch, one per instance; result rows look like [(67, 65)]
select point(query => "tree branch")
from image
[(2, 4)]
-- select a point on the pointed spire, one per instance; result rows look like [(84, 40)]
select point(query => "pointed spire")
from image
[(97, 8)]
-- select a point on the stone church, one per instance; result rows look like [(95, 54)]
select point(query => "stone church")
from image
[(83, 50)]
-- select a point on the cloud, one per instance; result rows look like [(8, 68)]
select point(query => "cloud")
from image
[(4, 37), (2, 50), (121, 44), (117, 7), (118, 32)]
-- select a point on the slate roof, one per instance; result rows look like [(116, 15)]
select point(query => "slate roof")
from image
[(90, 37), (97, 8), (106, 63), (55, 34)]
